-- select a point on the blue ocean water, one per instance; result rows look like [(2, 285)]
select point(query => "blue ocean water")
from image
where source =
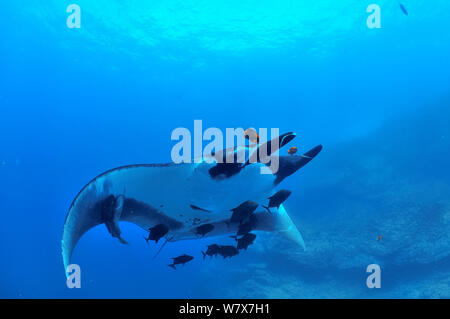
[(77, 102)]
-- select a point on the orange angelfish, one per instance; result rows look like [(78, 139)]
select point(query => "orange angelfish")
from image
[(251, 135)]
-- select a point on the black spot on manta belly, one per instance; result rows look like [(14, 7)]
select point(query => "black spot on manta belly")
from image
[(225, 170)]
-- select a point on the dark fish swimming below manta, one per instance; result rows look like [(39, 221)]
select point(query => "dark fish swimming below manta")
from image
[(180, 260), (212, 250), (157, 232), (243, 211), (247, 226), (228, 251), (245, 241), (244, 228), (277, 199)]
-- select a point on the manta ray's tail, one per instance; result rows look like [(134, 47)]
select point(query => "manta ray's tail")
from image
[(162, 246)]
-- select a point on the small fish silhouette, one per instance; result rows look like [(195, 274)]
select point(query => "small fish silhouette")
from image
[(403, 9), (292, 150)]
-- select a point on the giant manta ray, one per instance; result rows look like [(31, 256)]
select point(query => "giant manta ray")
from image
[(183, 197)]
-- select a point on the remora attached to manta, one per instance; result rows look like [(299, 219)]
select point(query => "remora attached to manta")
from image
[(170, 194)]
